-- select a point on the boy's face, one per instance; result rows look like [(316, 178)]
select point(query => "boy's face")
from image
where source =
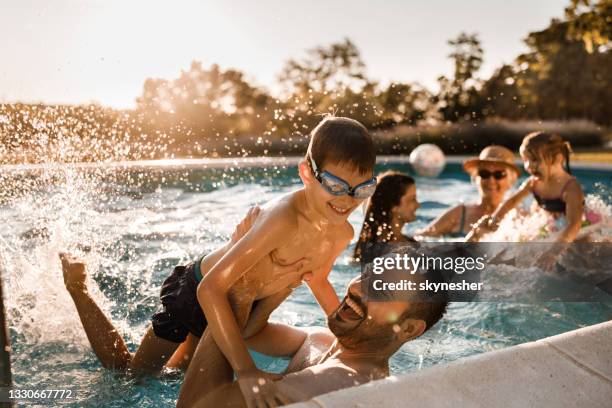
[(337, 208)]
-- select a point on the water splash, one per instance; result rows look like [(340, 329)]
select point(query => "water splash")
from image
[(538, 225)]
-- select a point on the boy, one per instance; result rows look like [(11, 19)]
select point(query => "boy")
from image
[(303, 231)]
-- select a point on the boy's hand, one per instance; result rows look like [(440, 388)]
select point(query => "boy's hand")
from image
[(74, 271), (258, 389), (245, 224)]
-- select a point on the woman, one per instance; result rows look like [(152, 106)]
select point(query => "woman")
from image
[(494, 172), (393, 204)]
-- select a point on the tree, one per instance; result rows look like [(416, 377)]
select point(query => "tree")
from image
[(500, 94), (590, 22), (458, 98), (559, 79), (327, 68), (403, 104), (207, 104)]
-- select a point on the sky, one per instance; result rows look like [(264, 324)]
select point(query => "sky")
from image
[(78, 51)]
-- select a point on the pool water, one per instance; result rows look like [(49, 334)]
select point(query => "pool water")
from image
[(132, 227)]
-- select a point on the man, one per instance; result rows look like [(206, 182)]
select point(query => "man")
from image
[(362, 336)]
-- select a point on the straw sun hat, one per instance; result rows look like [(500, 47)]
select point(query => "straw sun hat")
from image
[(494, 155)]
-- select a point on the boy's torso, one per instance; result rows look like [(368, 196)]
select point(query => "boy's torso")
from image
[(310, 245)]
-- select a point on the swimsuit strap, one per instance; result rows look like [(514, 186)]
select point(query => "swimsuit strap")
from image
[(560, 194), (462, 221), (565, 186)]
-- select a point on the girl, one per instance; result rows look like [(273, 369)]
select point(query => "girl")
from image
[(556, 191), (393, 204)]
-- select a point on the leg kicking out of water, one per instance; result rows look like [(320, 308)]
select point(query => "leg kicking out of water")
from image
[(154, 352), (107, 343)]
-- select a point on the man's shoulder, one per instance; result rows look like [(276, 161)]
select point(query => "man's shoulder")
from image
[(317, 341), (319, 335)]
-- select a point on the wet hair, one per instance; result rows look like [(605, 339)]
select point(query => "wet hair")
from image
[(376, 227), (432, 308), (339, 140), (546, 146), (427, 305)]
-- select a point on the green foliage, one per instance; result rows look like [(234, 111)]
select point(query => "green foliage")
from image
[(326, 69), (559, 79), (459, 98), (590, 22)]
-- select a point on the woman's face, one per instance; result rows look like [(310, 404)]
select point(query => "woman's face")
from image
[(405, 211), (493, 180)]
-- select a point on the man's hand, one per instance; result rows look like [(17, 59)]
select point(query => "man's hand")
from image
[(259, 390), (245, 224)]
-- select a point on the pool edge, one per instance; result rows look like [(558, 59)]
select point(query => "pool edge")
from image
[(567, 370)]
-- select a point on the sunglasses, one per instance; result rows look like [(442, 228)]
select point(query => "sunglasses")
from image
[(497, 175), (336, 186)]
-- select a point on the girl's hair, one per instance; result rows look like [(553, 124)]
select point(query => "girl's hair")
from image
[(547, 146), (376, 227)]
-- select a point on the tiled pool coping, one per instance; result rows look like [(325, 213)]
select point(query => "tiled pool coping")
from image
[(573, 369)]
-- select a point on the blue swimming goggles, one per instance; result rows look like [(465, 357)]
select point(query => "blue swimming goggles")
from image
[(336, 186)]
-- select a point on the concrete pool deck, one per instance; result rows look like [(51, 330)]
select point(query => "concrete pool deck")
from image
[(573, 369)]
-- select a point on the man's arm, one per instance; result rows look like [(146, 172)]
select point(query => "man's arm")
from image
[(266, 341), (298, 387)]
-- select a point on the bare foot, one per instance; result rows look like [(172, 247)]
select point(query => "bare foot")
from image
[(74, 270)]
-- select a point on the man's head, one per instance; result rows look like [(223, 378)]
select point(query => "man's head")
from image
[(340, 158), (383, 326)]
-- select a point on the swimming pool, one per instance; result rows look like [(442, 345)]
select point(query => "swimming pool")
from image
[(134, 226)]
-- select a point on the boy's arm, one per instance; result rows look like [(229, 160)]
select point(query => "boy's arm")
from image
[(261, 239), (318, 283), (324, 292)]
